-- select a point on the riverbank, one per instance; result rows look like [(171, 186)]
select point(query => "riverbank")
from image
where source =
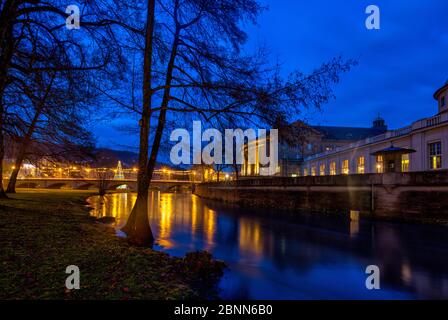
[(41, 233), (418, 197)]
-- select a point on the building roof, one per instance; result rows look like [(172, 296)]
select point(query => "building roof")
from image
[(437, 93), (348, 133), (393, 150)]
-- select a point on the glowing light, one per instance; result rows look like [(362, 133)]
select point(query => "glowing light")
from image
[(166, 213), (250, 237), (13, 167), (134, 169), (210, 221)]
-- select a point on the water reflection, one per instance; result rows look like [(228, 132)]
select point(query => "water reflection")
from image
[(309, 257), (249, 239)]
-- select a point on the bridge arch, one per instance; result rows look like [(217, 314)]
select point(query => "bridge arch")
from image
[(85, 186), (179, 187), (57, 185), (27, 185)]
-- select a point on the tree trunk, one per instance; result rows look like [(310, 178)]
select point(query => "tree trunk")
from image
[(27, 139), (137, 226), (13, 178), (2, 152), (6, 46), (18, 163), (162, 115)]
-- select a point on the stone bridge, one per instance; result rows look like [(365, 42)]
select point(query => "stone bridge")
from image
[(86, 184)]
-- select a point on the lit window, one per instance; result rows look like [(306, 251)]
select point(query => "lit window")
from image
[(361, 165), (379, 164), (313, 171), (310, 146), (435, 155), (322, 170), (333, 168), (345, 169), (405, 163), (305, 172)]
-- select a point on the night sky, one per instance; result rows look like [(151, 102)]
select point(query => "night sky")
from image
[(400, 65)]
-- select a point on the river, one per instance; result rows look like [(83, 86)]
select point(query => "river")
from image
[(305, 257)]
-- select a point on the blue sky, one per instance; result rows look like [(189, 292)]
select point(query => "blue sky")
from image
[(400, 65)]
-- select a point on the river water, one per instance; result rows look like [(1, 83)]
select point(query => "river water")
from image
[(305, 257)]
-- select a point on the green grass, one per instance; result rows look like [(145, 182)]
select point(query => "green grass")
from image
[(41, 233)]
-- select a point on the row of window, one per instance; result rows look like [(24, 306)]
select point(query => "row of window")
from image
[(345, 169), (435, 162)]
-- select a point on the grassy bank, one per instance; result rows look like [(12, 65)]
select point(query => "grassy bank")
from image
[(42, 233)]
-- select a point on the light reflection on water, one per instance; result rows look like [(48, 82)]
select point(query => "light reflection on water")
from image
[(316, 257)]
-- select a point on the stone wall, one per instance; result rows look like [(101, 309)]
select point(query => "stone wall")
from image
[(395, 195)]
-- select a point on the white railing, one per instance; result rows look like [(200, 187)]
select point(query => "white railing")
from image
[(429, 122)]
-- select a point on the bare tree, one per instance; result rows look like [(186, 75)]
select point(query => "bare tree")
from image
[(54, 121), (52, 108), (32, 31), (137, 226), (199, 70)]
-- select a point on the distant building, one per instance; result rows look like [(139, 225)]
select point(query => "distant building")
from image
[(319, 139), (330, 150)]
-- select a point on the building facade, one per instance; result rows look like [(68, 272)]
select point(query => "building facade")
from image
[(330, 150), (426, 141)]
